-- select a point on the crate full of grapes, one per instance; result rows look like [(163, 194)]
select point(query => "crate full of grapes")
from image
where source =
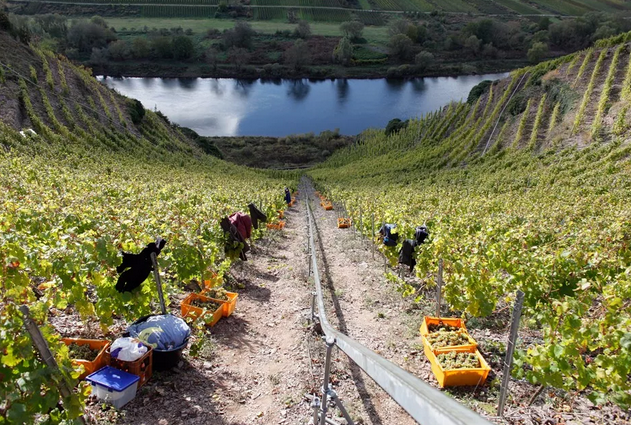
[(441, 334), (459, 367)]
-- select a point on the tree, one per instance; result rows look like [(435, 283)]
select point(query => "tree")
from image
[(473, 43), (118, 50), (537, 52), (352, 29), (162, 48), (399, 26), (240, 36), (183, 47), (211, 58), (424, 60), (343, 52), (303, 30), (400, 46), (85, 36), (298, 55), (140, 48), (239, 57)]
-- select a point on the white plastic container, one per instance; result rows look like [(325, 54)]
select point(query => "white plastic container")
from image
[(113, 386)]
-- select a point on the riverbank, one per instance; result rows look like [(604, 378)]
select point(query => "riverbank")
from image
[(173, 69)]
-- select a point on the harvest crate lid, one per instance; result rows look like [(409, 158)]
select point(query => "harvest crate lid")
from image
[(112, 378)]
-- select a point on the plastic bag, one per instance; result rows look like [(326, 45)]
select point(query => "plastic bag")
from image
[(127, 349), (162, 332)]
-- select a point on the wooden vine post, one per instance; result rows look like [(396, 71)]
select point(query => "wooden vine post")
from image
[(41, 346)]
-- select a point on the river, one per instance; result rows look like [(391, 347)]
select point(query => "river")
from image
[(230, 107)]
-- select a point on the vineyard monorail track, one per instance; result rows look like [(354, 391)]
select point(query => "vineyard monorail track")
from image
[(423, 403)]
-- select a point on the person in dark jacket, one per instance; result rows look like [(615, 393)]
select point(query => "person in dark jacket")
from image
[(406, 254), (287, 196)]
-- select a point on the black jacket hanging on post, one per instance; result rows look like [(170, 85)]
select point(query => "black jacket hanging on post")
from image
[(256, 215), (138, 267)]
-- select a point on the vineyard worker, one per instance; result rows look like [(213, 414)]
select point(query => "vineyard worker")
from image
[(287, 196)]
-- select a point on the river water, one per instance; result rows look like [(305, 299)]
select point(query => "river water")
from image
[(230, 107)]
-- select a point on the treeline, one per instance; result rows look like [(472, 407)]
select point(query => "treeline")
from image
[(417, 44)]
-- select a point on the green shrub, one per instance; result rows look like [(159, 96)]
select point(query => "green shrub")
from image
[(136, 110), (478, 91)]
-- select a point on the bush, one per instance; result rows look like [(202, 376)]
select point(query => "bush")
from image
[(478, 91), (136, 110), (395, 125)]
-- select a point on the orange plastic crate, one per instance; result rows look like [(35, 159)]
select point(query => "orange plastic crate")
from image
[(94, 344), (228, 306), (460, 377), (343, 223), (142, 367), (428, 348), (451, 321), (276, 226), (210, 317)]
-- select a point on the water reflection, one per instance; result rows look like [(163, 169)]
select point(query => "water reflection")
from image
[(243, 87), (342, 87), (298, 89), (418, 85), (188, 84), (275, 107)]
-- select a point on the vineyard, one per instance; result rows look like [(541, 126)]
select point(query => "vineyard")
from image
[(88, 183), (526, 188)]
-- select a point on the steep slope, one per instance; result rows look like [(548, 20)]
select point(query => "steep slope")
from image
[(526, 189), (94, 177)]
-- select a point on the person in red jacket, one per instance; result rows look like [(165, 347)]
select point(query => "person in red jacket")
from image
[(243, 223)]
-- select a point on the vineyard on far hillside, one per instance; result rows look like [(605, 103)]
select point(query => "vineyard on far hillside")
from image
[(526, 187), (93, 179)]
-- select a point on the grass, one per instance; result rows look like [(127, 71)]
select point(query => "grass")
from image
[(371, 34)]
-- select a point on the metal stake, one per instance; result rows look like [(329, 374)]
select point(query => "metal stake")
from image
[(156, 276), (374, 246), (439, 286), (330, 342), (508, 362)]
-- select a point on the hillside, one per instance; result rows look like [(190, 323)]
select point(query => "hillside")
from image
[(527, 188), (88, 177)]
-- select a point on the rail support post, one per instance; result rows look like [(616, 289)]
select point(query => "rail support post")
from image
[(315, 405), (333, 395), (313, 302), (330, 342)]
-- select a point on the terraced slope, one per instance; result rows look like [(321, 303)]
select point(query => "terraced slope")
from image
[(87, 178), (526, 188)]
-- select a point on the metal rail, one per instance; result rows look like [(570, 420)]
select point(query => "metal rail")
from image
[(425, 404)]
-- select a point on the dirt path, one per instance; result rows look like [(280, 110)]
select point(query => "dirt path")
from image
[(254, 367)]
